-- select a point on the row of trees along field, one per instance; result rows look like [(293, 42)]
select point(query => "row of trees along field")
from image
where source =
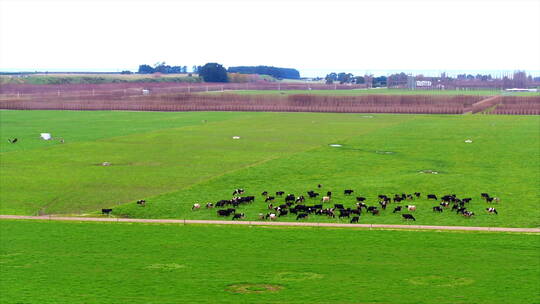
[(350, 78)]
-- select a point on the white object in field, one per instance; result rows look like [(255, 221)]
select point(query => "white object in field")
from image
[(46, 136), (236, 137), (106, 164), (145, 92), (468, 141), (335, 145)]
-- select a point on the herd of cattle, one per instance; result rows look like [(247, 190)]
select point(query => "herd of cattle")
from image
[(315, 204)]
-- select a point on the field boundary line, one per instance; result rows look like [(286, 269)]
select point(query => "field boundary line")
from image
[(259, 223)]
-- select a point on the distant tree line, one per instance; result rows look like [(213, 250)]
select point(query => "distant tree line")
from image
[(280, 73), (161, 67), (344, 78)]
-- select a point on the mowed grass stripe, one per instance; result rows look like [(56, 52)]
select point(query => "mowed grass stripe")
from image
[(138, 263), (495, 162), (69, 178)]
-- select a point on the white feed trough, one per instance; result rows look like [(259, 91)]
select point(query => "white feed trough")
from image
[(46, 136)]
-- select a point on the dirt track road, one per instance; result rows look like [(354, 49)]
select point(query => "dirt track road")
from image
[(255, 223)]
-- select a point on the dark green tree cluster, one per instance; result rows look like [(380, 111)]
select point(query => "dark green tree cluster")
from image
[(343, 78), (279, 73), (161, 67), (213, 72)]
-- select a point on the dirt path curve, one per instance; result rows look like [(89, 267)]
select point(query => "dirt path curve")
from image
[(255, 223)]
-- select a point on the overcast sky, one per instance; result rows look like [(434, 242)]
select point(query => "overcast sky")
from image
[(313, 36)]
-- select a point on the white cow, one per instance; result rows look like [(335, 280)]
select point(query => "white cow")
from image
[(411, 207), (196, 206)]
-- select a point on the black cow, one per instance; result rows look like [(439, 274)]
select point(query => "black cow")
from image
[(375, 211), (432, 196), (280, 193), (468, 213), (301, 216), (238, 216), (348, 192), (269, 199), (360, 199), (290, 198), (355, 219), (344, 213), (265, 193), (466, 200), (313, 194), (484, 195), (300, 199), (461, 210), (12, 141), (282, 212), (444, 204), (371, 208), (319, 186), (397, 209), (408, 217), (225, 212), (141, 202), (106, 211), (339, 206), (209, 205), (437, 209), (417, 194), (329, 193)]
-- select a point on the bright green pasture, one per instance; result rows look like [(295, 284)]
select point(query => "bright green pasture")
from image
[(61, 262), (384, 91), (174, 160)]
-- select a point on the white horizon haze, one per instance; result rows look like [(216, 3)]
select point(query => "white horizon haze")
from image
[(315, 37)]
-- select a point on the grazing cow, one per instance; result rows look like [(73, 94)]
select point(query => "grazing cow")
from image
[(397, 209), (325, 199), (493, 200), (280, 193), (437, 209), (468, 213), (196, 206), (225, 212), (209, 205), (300, 199), (238, 191), (313, 194), (411, 207), (106, 211), (339, 206), (360, 199), (383, 204), (375, 211), (461, 210), (444, 204), (432, 196), (271, 216), (319, 186), (344, 213), (371, 208), (491, 210), (290, 198), (348, 192), (329, 193), (301, 216), (409, 197), (265, 193), (361, 205), (355, 219), (408, 217), (238, 216), (466, 200), (455, 207), (417, 194), (141, 202), (282, 212), (12, 141), (484, 195), (269, 199)]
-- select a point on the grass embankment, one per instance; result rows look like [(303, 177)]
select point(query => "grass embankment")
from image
[(94, 78), (53, 262), (175, 159)]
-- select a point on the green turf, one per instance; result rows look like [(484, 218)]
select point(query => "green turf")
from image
[(59, 262), (174, 160), (483, 92)]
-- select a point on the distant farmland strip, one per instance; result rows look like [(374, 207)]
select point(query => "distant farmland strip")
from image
[(426, 104)]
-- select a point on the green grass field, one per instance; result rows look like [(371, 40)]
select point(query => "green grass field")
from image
[(382, 91), (176, 159), (61, 262)]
